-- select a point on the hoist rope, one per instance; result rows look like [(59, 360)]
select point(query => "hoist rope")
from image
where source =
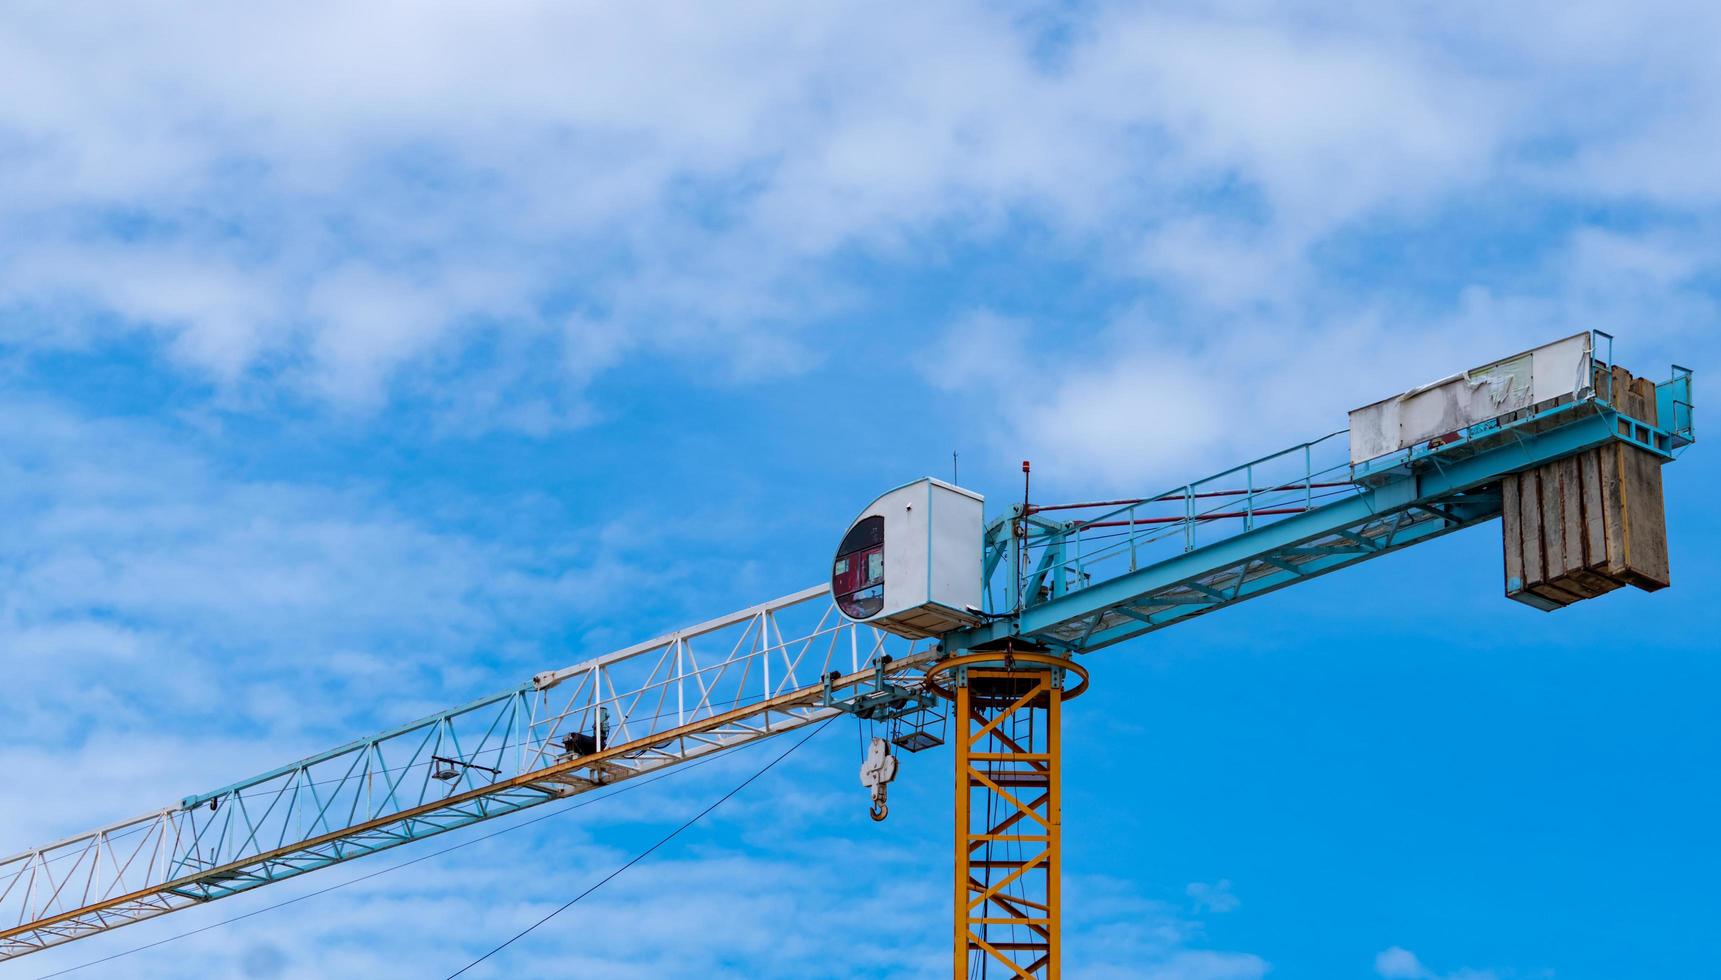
[(647, 852)]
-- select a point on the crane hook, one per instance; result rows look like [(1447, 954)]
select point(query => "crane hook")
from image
[(877, 770)]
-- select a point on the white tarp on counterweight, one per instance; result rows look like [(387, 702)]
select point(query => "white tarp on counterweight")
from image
[(1487, 392)]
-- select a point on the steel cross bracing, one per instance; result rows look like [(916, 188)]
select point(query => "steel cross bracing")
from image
[(1009, 806), (721, 684)]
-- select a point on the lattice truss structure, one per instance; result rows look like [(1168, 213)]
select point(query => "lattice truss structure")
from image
[(718, 685), (1008, 819)]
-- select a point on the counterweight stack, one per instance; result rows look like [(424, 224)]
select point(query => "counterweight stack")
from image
[(1582, 526)]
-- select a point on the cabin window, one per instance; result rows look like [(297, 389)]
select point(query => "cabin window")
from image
[(857, 576)]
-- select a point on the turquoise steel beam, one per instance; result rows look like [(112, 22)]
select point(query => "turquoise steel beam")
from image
[(1440, 494)]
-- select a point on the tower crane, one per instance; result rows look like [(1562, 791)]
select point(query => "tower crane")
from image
[(937, 624)]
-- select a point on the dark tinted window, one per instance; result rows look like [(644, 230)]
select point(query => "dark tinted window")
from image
[(857, 575), (868, 533)]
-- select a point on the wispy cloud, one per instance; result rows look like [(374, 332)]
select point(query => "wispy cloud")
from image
[(1223, 225), (342, 222), (144, 580), (1213, 897), (1398, 963)]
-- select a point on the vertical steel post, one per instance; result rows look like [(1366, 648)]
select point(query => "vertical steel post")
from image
[(1308, 476), (1055, 825), (1189, 518), (1249, 497), (963, 722), (1132, 565), (1018, 533)]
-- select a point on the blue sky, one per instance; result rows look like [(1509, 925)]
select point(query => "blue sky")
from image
[(358, 361)]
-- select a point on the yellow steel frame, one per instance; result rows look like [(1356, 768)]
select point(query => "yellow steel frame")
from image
[(1008, 809)]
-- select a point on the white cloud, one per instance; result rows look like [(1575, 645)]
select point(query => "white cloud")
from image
[(1146, 404), (359, 203), (1398, 963), (333, 199), (167, 625), (1213, 897), (1123, 935)]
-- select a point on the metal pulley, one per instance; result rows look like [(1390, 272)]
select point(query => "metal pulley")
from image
[(877, 770)]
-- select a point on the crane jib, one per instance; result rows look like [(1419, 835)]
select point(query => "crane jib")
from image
[(1372, 522)]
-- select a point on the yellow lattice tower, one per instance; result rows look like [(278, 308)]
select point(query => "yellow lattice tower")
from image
[(1008, 807)]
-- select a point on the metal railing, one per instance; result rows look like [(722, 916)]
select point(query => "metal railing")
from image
[(1052, 558)]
